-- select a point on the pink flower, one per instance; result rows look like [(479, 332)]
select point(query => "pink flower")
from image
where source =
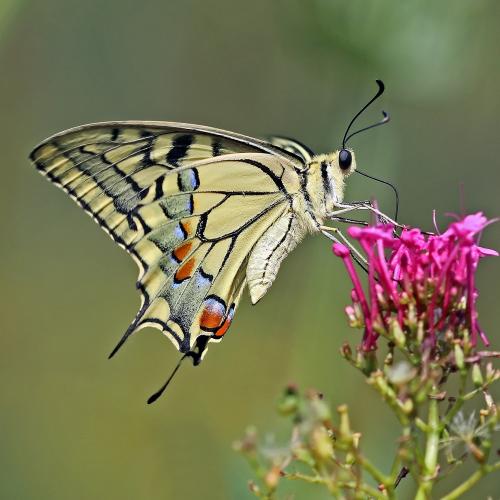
[(422, 282)]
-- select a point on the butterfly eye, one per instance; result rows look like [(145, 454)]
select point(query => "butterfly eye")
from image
[(345, 159)]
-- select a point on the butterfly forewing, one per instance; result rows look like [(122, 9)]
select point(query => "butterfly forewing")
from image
[(188, 203), (293, 147)]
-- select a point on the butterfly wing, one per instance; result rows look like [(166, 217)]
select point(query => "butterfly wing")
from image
[(187, 202), (291, 146)]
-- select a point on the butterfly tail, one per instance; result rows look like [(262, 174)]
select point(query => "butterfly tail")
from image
[(122, 341), (130, 330)]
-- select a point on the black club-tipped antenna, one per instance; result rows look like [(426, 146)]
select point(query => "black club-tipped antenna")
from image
[(385, 119)]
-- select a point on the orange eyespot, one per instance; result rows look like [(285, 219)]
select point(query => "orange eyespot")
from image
[(211, 317), (223, 329)]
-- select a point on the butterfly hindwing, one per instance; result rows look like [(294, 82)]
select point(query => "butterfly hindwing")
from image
[(188, 204), (200, 243)]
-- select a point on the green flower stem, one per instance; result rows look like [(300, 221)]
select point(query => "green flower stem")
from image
[(259, 470), (363, 462), (351, 485), (378, 382), (457, 406), (372, 470), (471, 481), (396, 467), (306, 478), (421, 425), (387, 481), (432, 447), (328, 479), (404, 455), (431, 451), (471, 394)]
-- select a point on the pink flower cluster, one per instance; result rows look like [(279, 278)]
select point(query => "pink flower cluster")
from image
[(423, 282)]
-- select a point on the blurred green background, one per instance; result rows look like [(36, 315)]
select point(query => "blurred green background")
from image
[(75, 425)]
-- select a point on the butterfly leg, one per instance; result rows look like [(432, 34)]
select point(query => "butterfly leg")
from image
[(367, 205), (340, 238), (346, 220), (364, 205), (349, 207)]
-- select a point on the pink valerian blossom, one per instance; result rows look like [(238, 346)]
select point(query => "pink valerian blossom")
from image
[(417, 282)]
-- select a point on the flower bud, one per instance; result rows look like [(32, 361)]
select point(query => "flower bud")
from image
[(412, 315), (321, 443), (477, 376), (459, 357), (397, 333), (272, 477), (345, 426), (253, 488), (289, 402), (420, 332), (346, 351), (407, 406), (349, 310), (302, 455)]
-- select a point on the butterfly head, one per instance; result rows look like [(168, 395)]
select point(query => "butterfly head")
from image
[(340, 165), (326, 178)]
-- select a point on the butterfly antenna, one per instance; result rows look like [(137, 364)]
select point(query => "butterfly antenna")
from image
[(160, 391), (387, 183), (386, 118)]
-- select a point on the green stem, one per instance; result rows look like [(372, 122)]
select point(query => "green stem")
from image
[(306, 478), (432, 446), (372, 470), (471, 394), (387, 481), (404, 455), (471, 481), (431, 452), (348, 485), (421, 425), (458, 403)]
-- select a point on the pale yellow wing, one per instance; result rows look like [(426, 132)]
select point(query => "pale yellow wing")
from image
[(293, 147), (188, 203)]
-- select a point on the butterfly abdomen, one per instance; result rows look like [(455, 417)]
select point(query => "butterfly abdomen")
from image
[(267, 255)]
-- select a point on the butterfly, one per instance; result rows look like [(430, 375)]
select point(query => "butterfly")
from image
[(205, 213)]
